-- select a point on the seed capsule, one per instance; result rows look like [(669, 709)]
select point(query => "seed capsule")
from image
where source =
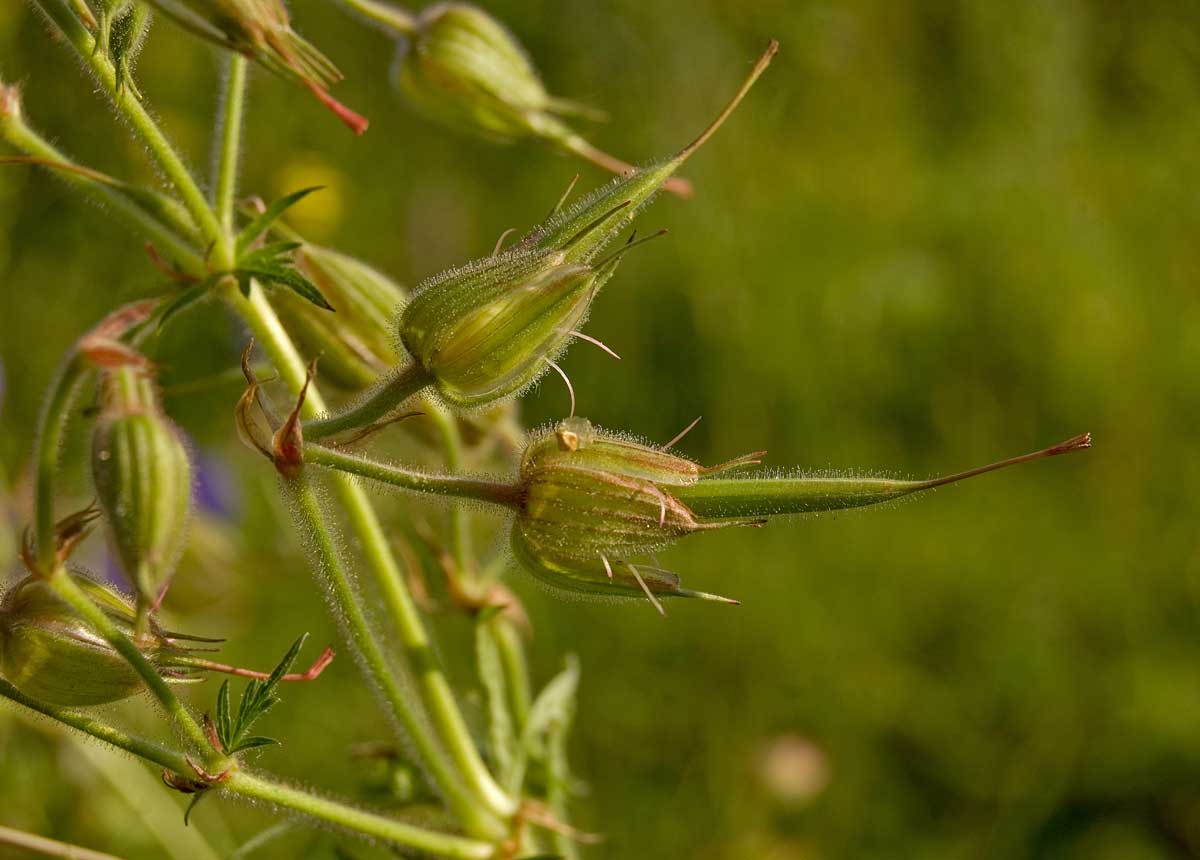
[(143, 480), (357, 343), (262, 30), (485, 334), (594, 506), (461, 67), (49, 653)]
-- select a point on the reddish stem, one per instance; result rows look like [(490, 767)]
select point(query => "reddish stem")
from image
[(311, 674)]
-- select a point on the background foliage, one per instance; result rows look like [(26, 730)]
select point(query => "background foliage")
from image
[(937, 233)]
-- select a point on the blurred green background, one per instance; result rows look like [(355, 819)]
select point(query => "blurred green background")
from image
[(936, 234)]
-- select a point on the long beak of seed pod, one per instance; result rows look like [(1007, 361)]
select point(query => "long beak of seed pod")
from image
[(714, 499)]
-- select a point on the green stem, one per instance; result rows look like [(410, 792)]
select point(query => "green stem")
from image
[(260, 788), (148, 750), (432, 684), (460, 517), (516, 668), (397, 21), (375, 404), (452, 486), (52, 424), (138, 219), (49, 847), (140, 121), (358, 820), (304, 499), (228, 159), (741, 498), (66, 588)]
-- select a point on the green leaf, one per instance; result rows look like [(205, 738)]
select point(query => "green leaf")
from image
[(554, 706), (501, 732), (258, 698), (252, 742), (294, 281), (264, 221), (268, 253)]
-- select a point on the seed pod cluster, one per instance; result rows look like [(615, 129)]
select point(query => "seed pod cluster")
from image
[(143, 479)]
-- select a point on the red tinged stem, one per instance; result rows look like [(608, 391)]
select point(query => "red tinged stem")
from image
[(311, 674), (355, 122)]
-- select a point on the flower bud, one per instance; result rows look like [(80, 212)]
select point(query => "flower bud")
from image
[(262, 30), (51, 654), (460, 66), (486, 332), (358, 342), (143, 480)]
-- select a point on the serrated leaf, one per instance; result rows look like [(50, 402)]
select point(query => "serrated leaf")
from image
[(253, 742), (224, 721), (268, 253), (264, 221), (555, 704), (501, 732), (294, 281)]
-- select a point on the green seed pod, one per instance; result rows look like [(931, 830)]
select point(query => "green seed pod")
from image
[(51, 654), (358, 342), (143, 479), (594, 505), (461, 67), (262, 31), (485, 333)]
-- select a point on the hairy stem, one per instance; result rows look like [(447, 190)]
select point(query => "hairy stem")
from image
[(261, 788), (228, 159), (134, 217), (460, 517), (414, 480), (358, 820), (66, 588), (305, 501), (170, 759), (140, 121), (378, 402), (52, 424), (432, 684)]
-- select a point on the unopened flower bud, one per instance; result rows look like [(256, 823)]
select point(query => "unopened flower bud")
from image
[(356, 343), (484, 336), (143, 480), (262, 31), (460, 66)]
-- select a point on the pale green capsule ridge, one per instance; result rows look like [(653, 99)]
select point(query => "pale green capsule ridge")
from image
[(143, 479)]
